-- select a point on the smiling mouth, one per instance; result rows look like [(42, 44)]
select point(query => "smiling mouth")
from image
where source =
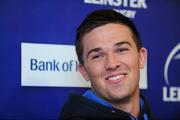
[(116, 77)]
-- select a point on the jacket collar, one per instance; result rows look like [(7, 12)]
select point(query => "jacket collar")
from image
[(143, 103)]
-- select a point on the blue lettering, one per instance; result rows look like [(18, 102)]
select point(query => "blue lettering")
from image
[(77, 63), (33, 63), (55, 66), (65, 66), (49, 66), (45, 65), (41, 66)]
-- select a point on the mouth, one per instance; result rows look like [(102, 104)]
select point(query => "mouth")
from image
[(116, 78)]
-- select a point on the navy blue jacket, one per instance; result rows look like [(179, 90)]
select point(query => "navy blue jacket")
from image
[(81, 108)]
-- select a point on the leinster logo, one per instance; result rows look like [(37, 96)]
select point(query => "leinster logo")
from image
[(174, 55), (171, 92)]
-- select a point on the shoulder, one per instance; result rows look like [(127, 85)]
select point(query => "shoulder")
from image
[(74, 108), (78, 107)]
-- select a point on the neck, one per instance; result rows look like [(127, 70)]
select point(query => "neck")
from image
[(130, 105)]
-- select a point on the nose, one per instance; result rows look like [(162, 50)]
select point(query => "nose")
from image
[(112, 62)]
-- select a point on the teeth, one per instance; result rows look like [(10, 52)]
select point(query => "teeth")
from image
[(116, 77)]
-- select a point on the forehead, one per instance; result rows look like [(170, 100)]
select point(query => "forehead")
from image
[(106, 36)]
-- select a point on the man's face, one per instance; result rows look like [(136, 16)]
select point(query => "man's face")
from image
[(112, 62)]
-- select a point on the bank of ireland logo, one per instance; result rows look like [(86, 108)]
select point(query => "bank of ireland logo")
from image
[(171, 92)]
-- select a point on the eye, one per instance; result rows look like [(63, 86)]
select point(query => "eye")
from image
[(122, 49), (96, 56)]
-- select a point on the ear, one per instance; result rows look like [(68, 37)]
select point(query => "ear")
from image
[(83, 72), (142, 57)]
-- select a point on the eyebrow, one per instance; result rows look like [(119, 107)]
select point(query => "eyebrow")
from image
[(121, 43), (116, 44)]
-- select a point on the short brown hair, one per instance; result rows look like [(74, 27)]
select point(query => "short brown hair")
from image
[(99, 18)]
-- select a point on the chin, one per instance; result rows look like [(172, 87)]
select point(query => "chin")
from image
[(121, 98)]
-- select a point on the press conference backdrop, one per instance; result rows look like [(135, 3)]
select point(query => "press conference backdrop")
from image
[(38, 64)]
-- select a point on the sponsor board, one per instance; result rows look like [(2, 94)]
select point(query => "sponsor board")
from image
[(50, 65)]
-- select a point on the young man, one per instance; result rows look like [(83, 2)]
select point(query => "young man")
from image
[(111, 55)]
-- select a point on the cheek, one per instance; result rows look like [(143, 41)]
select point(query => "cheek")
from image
[(95, 70), (132, 62), (134, 70)]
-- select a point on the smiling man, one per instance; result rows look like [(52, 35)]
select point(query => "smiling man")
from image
[(111, 55)]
